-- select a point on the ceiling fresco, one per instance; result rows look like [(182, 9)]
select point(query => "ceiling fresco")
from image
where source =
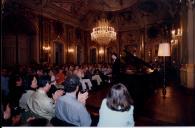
[(122, 14)]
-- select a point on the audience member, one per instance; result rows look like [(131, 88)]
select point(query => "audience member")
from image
[(16, 90), (97, 77), (84, 82), (5, 112), (117, 109), (16, 116), (69, 108), (60, 77), (4, 82), (53, 78), (11, 114), (23, 100), (40, 104)]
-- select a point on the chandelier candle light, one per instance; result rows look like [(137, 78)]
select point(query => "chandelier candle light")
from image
[(103, 33)]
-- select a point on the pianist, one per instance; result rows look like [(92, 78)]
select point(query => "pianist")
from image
[(115, 68)]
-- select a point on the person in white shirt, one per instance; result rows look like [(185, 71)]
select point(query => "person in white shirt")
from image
[(84, 82), (97, 77), (117, 109)]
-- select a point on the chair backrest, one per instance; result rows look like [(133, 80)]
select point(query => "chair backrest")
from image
[(57, 122)]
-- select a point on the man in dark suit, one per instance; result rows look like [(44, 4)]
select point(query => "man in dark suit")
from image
[(115, 68)]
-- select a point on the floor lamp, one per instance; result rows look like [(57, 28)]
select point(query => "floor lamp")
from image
[(163, 51)]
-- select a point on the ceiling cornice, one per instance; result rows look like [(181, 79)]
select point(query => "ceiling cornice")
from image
[(52, 12)]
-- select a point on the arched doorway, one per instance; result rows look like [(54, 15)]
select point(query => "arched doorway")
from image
[(109, 54), (79, 54), (58, 52), (93, 56)]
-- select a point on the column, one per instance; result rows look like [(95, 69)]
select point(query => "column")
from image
[(187, 71), (142, 45)]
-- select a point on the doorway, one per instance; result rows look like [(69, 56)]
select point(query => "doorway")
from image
[(58, 53), (93, 55), (79, 53), (109, 54)]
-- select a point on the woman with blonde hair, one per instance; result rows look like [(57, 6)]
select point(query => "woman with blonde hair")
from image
[(117, 108)]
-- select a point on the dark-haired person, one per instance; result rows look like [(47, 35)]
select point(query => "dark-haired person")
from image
[(16, 90), (24, 98), (71, 109), (42, 105), (115, 68), (117, 109)]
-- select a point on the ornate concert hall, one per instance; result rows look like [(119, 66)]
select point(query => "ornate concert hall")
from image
[(143, 49)]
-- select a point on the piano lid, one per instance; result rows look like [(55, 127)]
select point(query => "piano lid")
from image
[(129, 61)]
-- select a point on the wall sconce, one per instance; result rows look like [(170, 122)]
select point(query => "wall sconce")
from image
[(101, 51), (176, 33), (70, 50), (175, 36), (174, 41), (149, 53), (46, 48)]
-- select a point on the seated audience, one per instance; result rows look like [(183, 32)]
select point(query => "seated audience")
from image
[(84, 82), (23, 100), (55, 93), (5, 112), (117, 109), (16, 90), (97, 77), (16, 116), (4, 82), (71, 109), (42, 105), (60, 77), (11, 115), (39, 76), (87, 73), (53, 78)]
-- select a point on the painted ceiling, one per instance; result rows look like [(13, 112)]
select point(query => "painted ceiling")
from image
[(122, 14)]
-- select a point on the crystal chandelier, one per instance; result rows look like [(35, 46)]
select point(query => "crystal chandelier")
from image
[(103, 33)]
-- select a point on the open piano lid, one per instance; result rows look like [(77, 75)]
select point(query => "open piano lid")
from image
[(133, 64)]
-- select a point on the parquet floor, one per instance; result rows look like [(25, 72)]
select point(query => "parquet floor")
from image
[(176, 109)]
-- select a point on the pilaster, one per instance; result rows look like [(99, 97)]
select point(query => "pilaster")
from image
[(187, 71)]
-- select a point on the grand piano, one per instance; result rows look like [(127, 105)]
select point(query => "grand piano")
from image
[(140, 78)]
